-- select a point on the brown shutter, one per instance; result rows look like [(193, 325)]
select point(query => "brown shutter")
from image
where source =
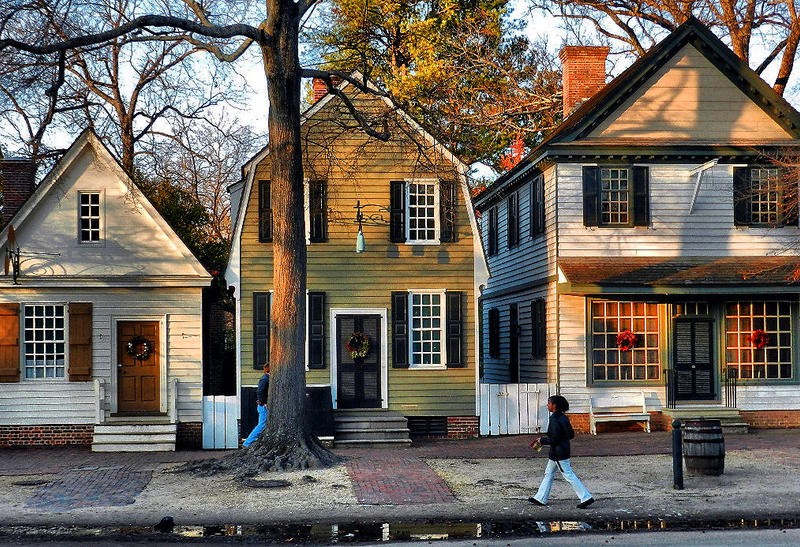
[(641, 196), (591, 196), (80, 341), (9, 342)]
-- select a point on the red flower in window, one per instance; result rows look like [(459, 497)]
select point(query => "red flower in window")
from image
[(626, 340), (759, 338)]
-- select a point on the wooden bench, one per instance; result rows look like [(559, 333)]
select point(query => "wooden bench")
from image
[(618, 408)]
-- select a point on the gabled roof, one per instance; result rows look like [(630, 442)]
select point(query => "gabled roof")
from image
[(594, 111)]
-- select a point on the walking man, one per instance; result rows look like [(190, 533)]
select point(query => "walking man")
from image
[(262, 393)]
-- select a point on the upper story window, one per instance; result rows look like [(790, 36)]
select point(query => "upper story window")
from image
[(89, 217), (491, 237), (422, 211), (512, 222), (616, 196), (426, 310), (763, 197), (264, 211), (45, 347)]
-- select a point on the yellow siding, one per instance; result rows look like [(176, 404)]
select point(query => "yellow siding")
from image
[(358, 168)]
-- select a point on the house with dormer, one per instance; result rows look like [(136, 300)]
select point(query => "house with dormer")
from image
[(649, 244)]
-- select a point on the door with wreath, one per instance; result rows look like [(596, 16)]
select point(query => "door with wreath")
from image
[(138, 371), (358, 361)]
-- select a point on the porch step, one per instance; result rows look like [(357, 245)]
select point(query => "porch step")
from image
[(729, 418), (373, 428), (134, 437)]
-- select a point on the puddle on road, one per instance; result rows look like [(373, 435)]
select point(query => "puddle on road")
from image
[(378, 532)]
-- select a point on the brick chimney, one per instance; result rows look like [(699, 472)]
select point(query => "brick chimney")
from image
[(17, 181), (583, 74), (320, 89)]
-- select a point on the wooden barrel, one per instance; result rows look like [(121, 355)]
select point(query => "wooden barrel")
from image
[(703, 447)]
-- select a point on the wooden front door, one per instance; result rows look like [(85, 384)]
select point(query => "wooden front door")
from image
[(694, 359), (138, 370), (358, 379)]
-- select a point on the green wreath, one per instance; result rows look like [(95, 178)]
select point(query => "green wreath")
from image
[(358, 345), (140, 348)]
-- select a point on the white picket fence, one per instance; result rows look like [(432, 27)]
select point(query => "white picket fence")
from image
[(220, 429), (513, 409)]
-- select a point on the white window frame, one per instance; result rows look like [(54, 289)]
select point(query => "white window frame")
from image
[(102, 216), (22, 352), (442, 329), (436, 212)]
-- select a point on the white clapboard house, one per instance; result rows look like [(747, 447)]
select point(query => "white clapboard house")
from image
[(659, 207), (100, 312)]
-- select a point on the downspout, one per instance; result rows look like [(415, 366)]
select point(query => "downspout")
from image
[(558, 298)]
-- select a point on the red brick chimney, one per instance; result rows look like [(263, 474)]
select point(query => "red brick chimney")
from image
[(320, 89), (583, 74), (17, 181)]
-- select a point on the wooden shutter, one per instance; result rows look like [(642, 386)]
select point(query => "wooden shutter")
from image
[(538, 327), (9, 343), (397, 211), (741, 196), (512, 220), (400, 329), (537, 206), (494, 332), (261, 317), (264, 211), (492, 250), (455, 329), (448, 198), (318, 205), (316, 330), (80, 341), (789, 199), (641, 196), (591, 196)]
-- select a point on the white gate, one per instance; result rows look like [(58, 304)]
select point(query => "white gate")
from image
[(220, 429), (513, 409)]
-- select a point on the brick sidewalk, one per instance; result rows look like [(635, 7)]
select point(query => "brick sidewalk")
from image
[(389, 479), (98, 487)]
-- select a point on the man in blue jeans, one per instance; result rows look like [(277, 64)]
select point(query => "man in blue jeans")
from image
[(262, 392)]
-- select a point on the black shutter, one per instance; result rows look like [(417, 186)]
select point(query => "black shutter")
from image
[(316, 330), (591, 196), (512, 220), (492, 246), (741, 196), (538, 324), (455, 330), (494, 332), (397, 211), (537, 206), (264, 211), (641, 196), (789, 199), (318, 205), (448, 198), (400, 329), (261, 313)]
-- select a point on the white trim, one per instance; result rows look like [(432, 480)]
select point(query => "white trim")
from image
[(442, 329), (384, 364), (79, 281)]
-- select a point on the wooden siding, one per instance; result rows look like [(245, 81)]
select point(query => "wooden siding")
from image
[(27, 400), (366, 280), (689, 99)]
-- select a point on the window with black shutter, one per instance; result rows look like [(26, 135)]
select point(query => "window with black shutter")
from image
[(447, 202), (538, 324), (400, 329), (318, 211), (494, 333), (512, 205), (762, 197), (616, 196), (261, 316), (316, 330), (455, 329), (397, 211), (492, 232), (264, 211), (537, 206)]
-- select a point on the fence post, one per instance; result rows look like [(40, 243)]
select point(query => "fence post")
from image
[(677, 456)]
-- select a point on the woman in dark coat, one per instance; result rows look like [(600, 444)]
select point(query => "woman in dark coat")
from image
[(559, 432)]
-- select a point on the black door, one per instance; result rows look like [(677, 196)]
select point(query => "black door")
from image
[(358, 378), (513, 340), (694, 359)]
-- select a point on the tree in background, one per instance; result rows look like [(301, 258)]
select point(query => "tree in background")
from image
[(636, 25)]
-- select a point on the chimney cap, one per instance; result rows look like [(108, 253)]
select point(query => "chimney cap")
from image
[(573, 51)]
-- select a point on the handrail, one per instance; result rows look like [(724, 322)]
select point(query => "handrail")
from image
[(669, 383), (730, 383)]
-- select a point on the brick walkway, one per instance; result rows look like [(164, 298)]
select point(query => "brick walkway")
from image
[(90, 487), (396, 480)]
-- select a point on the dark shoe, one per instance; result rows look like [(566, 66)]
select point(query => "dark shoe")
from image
[(536, 502), (585, 504)]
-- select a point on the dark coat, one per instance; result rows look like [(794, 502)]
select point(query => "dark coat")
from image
[(263, 389), (559, 432)]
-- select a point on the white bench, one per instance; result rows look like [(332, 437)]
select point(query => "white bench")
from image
[(618, 408)]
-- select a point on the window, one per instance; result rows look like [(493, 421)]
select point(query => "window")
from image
[(765, 196), (45, 348), (427, 329), (494, 333), (691, 308), (762, 197), (423, 212), (609, 362), (264, 211), (89, 217), (318, 211), (537, 206), (538, 329), (774, 360), (614, 196), (512, 206), (492, 232)]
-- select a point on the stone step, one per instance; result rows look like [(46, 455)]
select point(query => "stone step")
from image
[(371, 434), (386, 443), (369, 424), (135, 429), (112, 438), (117, 447)]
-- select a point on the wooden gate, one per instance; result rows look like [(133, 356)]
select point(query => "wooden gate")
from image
[(220, 429), (513, 409)]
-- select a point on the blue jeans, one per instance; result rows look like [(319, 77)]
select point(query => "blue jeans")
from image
[(566, 471), (262, 423)]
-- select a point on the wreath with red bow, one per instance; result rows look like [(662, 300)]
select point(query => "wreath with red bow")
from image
[(626, 340), (759, 338)]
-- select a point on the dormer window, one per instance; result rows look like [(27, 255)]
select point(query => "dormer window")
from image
[(89, 217)]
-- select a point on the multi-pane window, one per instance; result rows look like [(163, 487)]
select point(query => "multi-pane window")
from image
[(45, 347), (746, 323), (423, 212), (765, 196), (427, 328), (691, 308), (609, 361), (614, 196), (89, 216)]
